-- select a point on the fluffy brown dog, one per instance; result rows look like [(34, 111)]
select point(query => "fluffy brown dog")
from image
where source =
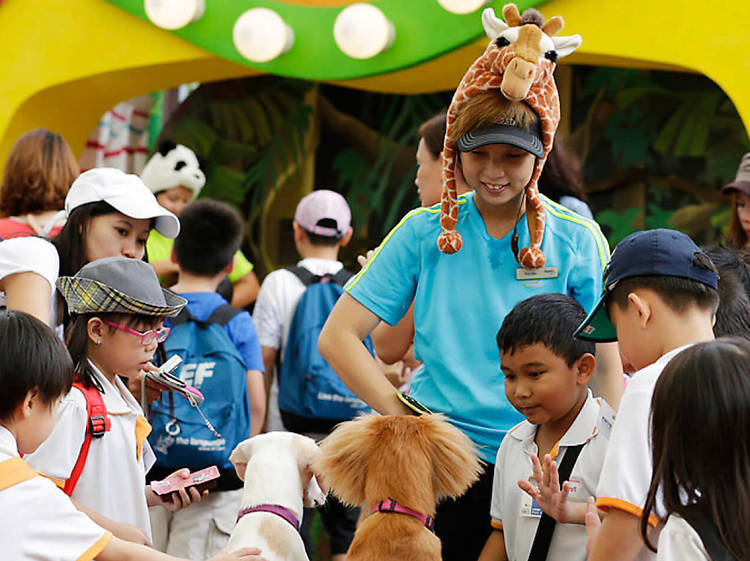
[(415, 460)]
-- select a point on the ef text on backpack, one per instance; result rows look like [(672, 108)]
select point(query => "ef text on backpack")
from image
[(312, 398), (213, 365)]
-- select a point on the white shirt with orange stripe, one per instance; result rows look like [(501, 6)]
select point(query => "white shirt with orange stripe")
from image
[(512, 509), (37, 521), (626, 474), (113, 479)]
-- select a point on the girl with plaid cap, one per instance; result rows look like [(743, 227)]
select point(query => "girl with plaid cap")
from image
[(117, 308), (37, 522)]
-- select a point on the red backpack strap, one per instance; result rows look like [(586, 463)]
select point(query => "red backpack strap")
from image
[(98, 423)]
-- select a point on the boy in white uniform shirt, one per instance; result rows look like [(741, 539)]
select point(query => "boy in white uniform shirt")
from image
[(659, 297), (37, 521), (546, 374)]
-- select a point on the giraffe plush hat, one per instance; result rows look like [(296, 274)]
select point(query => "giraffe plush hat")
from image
[(518, 62)]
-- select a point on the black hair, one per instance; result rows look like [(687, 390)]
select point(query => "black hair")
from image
[(677, 293), (549, 319), (325, 241), (700, 439), (735, 261), (561, 174), (33, 358), (71, 241), (432, 131), (77, 338), (210, 234), (733, 314)]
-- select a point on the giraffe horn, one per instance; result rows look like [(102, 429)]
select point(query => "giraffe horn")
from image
[(553, 26), (511, 15)]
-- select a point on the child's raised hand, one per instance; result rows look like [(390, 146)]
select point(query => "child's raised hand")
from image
[(364, 259), (245, 554), (547, 493)]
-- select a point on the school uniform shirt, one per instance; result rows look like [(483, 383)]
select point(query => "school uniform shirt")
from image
[(38, 522), (678, 541), (461, 300), (626, 474), (516, 514), (113, 479), (274, 309)]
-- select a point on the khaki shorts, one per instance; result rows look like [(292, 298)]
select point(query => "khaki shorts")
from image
[(198, 531)]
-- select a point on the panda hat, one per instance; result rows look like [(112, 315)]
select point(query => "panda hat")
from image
[(173, 165)]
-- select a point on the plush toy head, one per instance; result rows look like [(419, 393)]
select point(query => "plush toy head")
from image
[(518, 64), (414, 460), (174, 165)]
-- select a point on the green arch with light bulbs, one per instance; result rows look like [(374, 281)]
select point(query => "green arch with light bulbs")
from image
[(424, 31)]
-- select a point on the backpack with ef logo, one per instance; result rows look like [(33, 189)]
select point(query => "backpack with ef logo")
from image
[(312, 398), (213, 365)]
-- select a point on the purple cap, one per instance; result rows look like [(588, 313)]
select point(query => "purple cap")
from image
[(325, 213)]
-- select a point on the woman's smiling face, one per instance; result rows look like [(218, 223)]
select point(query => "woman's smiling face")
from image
[(498, 173)]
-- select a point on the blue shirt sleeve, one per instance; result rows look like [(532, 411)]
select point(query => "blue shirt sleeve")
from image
[(592, 256), (241, 330), (386, 285)]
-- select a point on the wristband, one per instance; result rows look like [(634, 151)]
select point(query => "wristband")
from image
[(415, 407)]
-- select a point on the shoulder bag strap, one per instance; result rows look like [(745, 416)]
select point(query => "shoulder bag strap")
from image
[(98, 423), (342, 277), (708, 533), (183, 317), (546, 528), (223, 314), (306, 277)]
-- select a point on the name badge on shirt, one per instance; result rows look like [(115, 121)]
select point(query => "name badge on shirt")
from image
[(529, 508), (535, 274)]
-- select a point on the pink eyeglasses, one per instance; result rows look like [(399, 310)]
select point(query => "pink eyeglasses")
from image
[(146, 337)]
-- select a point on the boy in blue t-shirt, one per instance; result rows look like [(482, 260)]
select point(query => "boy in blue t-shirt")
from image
[(210, 234), (461, 297)]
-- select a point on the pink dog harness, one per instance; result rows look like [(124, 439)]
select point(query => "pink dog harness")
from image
[(278, 510), (390, 505)]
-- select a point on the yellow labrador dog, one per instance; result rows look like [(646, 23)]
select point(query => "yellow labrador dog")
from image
[(275, 468)]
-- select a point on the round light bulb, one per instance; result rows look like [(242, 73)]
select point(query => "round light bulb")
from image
[(174, 14), (463, 6), (260, 35), (362, 31)]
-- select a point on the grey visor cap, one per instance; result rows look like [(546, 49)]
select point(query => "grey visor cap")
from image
[(529, 140)]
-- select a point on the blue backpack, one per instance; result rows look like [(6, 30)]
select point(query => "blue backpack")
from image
[(312, 398), (213, 365)]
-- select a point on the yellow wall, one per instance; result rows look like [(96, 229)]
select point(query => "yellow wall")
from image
[(66, 62)]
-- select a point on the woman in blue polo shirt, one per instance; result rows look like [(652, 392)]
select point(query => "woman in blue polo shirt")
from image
[(461, 299)]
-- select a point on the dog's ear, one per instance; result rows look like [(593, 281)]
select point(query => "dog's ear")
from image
[(343, 458), (307, 451), (313, 496), (455, 465), (240, 455)]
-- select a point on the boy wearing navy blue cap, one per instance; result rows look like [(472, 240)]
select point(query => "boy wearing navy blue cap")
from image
[(660, 296)]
